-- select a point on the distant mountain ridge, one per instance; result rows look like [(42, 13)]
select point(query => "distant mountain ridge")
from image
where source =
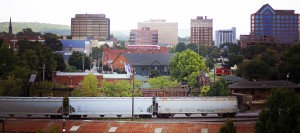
[(37, 27), (65, 30)]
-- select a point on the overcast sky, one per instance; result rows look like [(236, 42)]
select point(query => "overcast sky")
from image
[(125, 14)]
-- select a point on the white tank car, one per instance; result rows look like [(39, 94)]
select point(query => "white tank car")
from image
[(31, 106), (169, 106), (117, 106)]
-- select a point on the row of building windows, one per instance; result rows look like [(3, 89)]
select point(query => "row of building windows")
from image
[(275, 21), (274, 25), (276, 16), (275, 28)]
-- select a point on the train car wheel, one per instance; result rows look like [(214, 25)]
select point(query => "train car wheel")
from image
[(188, 114), (11, 115), (221, 114), (102, 116), (225, 115), (119, 116), (84, 116), (204, 114)]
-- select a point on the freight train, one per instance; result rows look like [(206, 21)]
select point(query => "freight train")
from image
[(98, 107)]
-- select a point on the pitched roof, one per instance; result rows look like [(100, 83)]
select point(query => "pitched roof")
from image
[(139, 59), (278, 12), (263, 84)]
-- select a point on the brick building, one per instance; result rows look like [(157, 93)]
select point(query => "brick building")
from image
[(92, 26), (260, 90), (73, 79), (202, 31), (144, 62), (144, 36), (109, 54)]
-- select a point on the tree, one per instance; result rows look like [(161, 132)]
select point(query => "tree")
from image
[(153, 73), (233, 60), (192, 47), (220, 88), (180, 47), (12, 86), (184, 64), (52, 41), (97, 53), (162, 83), (204, 90), (203, 50), (290, 63), (89, 87), (8, 60), (59, 59), (282, 113), (28, 32), (209, 62), (76, 60), (31, 59), (120, 88), (228, 127), (254, 70)]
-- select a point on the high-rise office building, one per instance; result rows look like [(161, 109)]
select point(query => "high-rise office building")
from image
[(202, 31), (225, 36), (92, 26), (144, 36), (269, 26), (167, 31)]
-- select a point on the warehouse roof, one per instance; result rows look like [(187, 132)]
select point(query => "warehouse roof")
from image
[(263, 84)]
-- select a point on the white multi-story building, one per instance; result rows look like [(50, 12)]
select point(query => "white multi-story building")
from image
[(167, 31), (225, 36)]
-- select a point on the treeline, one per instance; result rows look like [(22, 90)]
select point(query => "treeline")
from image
[(37, 27)]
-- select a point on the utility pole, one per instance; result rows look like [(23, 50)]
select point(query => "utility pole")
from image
[(132, 94), (83, 62), (44, 66)]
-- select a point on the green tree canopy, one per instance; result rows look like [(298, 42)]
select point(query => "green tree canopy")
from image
[(8, 60), (59, 59), (52, 41), (254, 70), (184, 64), (153, 73), (220, 88), (89, 87), (162, 82), (28, 32), (76, 60), (192, 47), (120, 88), (228, 127), (290, 63), (282, 113), (180, 47)]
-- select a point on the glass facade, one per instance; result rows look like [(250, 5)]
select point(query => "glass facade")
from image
[(276, 26)]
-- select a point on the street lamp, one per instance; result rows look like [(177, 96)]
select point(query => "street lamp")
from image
[(64, 125), (287, 76)]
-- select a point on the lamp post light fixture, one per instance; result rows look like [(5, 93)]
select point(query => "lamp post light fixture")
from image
[(64, 125), (287, 76)]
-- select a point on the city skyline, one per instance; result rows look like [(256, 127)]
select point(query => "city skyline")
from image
[(125, 15)]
